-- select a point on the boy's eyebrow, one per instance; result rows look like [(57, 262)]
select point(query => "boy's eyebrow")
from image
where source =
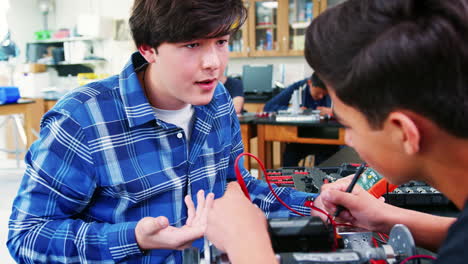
[(203, 38)]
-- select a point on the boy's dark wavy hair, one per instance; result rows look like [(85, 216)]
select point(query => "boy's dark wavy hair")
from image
[(153, 22), (383, 55), (316, 81)]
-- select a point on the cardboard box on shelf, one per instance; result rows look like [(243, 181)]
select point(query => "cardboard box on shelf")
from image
[(35, 68), (32, 84)]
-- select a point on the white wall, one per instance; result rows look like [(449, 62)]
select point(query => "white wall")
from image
[(115, 52), (24, 18), (68, 10)]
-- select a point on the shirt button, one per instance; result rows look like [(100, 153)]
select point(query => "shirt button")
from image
[(179, 135)]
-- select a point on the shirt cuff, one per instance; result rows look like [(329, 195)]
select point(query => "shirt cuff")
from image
[(122, 241), (298, 201)]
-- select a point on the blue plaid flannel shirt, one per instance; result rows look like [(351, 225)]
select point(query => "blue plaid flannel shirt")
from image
[(104, 161)]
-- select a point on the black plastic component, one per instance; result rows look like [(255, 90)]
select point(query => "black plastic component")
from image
[(300, 234)]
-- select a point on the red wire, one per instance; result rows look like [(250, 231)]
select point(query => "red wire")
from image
[(381, 236), (239, 177), (374, 241), (417, 257), (344, 224), (241, 182)]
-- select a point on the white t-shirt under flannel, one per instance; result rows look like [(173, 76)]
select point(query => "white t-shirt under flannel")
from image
[(182, 118)]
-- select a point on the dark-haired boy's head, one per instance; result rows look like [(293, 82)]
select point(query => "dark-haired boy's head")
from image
[(154, 22), (316, 81), (316, 87), (379, 56)]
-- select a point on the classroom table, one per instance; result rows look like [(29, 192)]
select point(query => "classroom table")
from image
[(32, 110), (327, 132), (48, 104), (248, 131)]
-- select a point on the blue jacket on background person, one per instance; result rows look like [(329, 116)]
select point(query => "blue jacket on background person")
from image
[(313, 95), (281, 100)]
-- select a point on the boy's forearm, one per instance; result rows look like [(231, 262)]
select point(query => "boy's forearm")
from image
[(238, 102), (255, 249), (428, 230)]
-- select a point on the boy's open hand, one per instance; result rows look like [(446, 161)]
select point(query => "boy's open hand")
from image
[(156, 233)]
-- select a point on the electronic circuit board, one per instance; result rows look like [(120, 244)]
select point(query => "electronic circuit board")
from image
[(413, 193)]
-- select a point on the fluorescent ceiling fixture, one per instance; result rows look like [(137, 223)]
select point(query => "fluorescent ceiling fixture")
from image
[(271, 5)]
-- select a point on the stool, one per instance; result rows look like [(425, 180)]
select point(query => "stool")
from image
[(18, 133)]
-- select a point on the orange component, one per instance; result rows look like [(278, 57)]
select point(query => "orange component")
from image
[(380, 188)]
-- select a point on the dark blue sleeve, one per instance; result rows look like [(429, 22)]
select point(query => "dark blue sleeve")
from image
[(310, 103), (453, 250), (281, 100), (326, 101), (234, 87)]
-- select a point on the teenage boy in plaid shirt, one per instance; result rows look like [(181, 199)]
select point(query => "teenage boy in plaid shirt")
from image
[(106, 179)]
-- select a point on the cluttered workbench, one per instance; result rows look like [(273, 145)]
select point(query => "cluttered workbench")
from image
[(268, 129), (311, 240)]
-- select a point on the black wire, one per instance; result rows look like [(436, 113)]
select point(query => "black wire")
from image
[(388, 196)]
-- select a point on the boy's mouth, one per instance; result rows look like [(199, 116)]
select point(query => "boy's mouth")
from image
[(206, 81), (208, 84)]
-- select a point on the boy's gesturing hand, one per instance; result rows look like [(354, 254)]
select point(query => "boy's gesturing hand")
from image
[(156, 233)]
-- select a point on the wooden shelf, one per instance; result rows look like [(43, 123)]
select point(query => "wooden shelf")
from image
[(78, 62), (300, 25), (265, 26), (64, 40), (282, 28)]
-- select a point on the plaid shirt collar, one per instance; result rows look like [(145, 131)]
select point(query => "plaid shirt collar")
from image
[(136, 105)]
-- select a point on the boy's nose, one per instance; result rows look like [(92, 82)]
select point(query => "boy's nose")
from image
[(210, 59)]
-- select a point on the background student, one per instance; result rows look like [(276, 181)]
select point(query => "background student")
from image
[(236, 89), (314, 95)]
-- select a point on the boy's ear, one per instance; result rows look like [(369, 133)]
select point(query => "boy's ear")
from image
[(407, 131), (148, 52)]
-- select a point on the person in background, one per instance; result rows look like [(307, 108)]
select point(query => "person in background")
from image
[(115, 160), (314, 96), (236, 90), (400, 89)]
